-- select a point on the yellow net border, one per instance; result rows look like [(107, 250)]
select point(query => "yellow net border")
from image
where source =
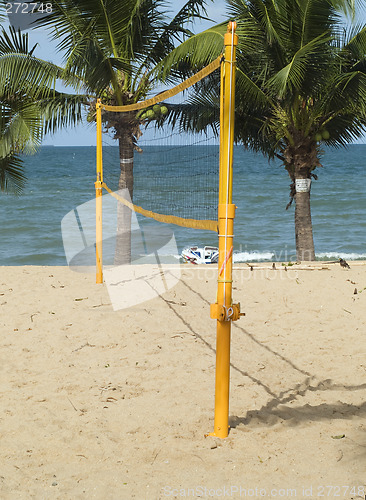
[(208, 225), (168, 93)]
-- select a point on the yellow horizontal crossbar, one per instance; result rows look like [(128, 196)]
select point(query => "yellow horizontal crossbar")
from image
[(208, 225), (168, 93)]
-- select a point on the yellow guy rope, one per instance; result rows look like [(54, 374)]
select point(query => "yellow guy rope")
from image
[(171, 92)]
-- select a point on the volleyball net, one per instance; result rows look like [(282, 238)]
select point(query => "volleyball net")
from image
[(174, 183)]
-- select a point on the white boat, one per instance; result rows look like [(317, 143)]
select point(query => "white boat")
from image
[(200, 255)]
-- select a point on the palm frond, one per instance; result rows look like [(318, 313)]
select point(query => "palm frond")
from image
[(2, 12), (22, 72), (190, 56), (12, 178), (304, 62), (354, 49), (143, 30), (347, 92), (20, 128), (63, 110), (346, 7), (194, 117), (185, 59), (200, 109), (175, 31), (256, 95), (14, 42)]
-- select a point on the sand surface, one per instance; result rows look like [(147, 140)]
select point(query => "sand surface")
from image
[(97, 403)]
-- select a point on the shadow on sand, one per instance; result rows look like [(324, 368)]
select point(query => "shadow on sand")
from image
[(277, 409)]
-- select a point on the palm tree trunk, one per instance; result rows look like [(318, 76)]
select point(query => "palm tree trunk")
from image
[(123, 237), (303, 227)]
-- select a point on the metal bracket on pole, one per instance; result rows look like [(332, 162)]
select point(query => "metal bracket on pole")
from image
[(222, 313)]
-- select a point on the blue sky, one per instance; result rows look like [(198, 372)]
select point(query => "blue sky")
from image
[(84, 135)]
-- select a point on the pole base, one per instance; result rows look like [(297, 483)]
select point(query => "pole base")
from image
[(220, 434)]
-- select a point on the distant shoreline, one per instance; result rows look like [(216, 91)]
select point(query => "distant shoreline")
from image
[(141, 144), (236, 265)]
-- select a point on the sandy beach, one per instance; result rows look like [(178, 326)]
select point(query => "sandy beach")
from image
[(104, 404)]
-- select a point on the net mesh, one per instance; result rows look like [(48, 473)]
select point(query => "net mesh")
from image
[(174, 175)]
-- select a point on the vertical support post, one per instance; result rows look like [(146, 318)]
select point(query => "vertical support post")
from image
[(98, 199), (224, 311)]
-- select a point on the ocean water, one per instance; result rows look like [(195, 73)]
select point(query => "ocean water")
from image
[(61, 179)]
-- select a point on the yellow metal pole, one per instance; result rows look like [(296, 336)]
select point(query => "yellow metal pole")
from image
[(224, 310), (98, 198)]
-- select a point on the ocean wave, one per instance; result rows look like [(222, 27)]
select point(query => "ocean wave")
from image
[(272, 257), (253, 256), (340, 255), (268, 256)]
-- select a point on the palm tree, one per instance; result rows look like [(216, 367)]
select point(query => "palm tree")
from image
[(113, 47), (29, 105), (301, 83), (312, 72)]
